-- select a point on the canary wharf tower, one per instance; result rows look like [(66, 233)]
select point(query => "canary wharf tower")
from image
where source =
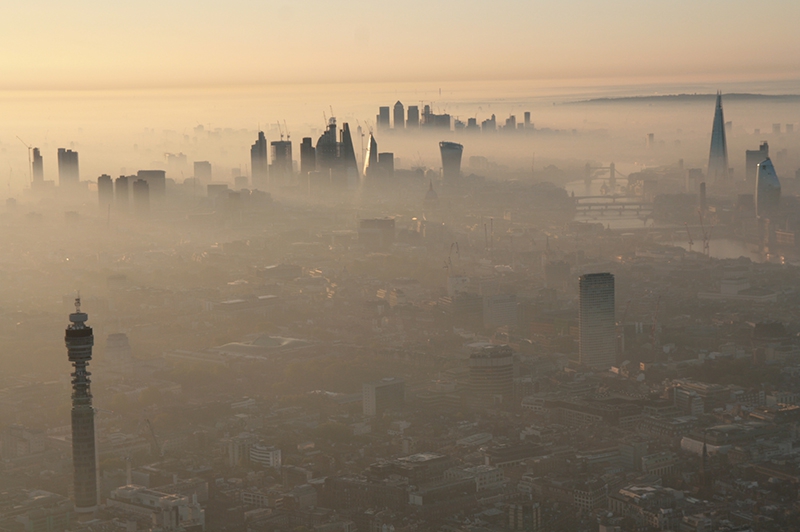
[(79, 340)]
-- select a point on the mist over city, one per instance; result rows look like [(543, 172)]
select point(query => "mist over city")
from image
[(458, 267)]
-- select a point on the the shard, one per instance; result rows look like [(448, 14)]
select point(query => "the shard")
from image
[(718, 155)]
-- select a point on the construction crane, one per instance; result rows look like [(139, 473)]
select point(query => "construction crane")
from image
[(621, 327), (655, 324), (706, 236), (448, 264), (691, 242), (625, 312), (30, 162), (155, 440), (287, 129), (280, 131)]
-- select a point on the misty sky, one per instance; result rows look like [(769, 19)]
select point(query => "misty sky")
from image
[(148, 43)]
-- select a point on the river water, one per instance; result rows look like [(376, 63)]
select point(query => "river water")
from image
[(719, 248)]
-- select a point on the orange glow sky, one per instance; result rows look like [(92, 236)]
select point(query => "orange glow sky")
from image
[(87, 44)]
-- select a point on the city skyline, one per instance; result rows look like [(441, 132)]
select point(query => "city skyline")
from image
[(400, 267)]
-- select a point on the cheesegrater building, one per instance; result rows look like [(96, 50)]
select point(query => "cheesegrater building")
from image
[(80, 339), (597, 321)]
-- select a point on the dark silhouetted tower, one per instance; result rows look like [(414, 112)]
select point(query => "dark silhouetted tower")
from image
[(327, 147), (121, 188), (156, 182), (258, 162), (202, 171), (768, 189), (79, 340), (68, 174), (489, 125), (597, 321), (308, 156), (38, 166), (382, 119), (386, 164), (491, 373), (751, 160), (718, 154), (105, 190), (141, 197), (413, 116), (281, 169), (451, 162), (347, 153), (399, 113)]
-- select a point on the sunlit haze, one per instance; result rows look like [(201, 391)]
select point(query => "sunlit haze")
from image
[(408, 266), (86, 44)]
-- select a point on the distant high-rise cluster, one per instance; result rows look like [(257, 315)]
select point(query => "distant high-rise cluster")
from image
[(145, 188), (398, 118), (336, 157)]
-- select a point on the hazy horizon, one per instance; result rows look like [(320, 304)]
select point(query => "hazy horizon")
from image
[(181, 44), (119, 131)]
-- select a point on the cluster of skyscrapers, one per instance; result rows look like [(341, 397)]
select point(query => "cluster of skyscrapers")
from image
[(759, 170), (332, 159), (397, 119), (68, 169), (144, 187)]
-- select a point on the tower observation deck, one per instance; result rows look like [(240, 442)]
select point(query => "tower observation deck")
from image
[(80, 339)]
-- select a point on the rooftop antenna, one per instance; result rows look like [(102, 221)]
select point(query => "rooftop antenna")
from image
[(30, 163)]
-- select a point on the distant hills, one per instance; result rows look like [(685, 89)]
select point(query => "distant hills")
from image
[(691, 98)]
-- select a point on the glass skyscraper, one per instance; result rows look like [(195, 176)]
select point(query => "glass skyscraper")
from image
[(597, 321)]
